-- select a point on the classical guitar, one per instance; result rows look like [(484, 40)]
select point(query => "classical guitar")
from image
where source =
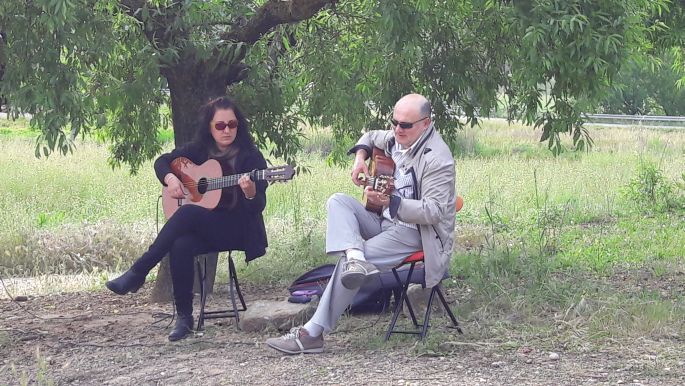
[(381, 177), (203, 183)]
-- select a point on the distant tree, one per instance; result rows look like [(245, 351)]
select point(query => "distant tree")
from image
[(653, 81), (668, 35), (646, 87)]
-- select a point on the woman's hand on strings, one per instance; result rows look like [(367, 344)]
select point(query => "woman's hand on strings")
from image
[(174, 186), (248, 186)]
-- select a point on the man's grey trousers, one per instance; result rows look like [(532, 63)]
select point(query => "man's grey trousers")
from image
[(384, 243)]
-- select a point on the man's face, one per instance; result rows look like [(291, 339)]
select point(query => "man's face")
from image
[(408, 115)]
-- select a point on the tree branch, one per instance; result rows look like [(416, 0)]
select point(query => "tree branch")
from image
[(273, 13), (131, 6)]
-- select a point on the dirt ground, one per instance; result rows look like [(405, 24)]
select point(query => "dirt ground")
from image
[(97, 338)]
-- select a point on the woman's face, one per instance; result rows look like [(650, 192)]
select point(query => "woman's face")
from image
[(224, 128)]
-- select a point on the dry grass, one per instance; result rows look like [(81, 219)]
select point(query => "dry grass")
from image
[(80, 247), (41, 285)]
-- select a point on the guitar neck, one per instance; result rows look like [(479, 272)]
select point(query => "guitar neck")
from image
[(232, 180)]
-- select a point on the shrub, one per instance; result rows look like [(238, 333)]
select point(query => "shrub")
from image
[(651, 190)]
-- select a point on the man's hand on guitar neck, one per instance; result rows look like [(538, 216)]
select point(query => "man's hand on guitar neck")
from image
[(174, 186), (360, 167), (377, 198)]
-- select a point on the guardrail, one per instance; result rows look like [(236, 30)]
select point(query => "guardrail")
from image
[(662, 121)]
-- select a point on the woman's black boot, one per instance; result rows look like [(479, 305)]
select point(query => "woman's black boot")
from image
[(183, 328), (129, 281)]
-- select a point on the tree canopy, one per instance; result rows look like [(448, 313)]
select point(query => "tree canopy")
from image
[(647, 87), (104, 65), (651, 82)]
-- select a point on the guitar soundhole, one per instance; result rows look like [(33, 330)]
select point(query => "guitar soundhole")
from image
[(202, 185)]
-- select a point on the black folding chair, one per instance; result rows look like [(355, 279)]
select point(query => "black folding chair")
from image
[(420, 330), (233, 289), (413, 259)]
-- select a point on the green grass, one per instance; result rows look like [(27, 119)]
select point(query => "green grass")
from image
[(73, 188), (16, 128), (537, 237), (627, 241), (528, 198)]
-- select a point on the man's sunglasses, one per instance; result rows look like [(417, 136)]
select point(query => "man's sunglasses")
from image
[(221, 125), (405, 125)]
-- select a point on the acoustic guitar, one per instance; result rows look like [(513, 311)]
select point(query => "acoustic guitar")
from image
[(381, 177), (203, 183)]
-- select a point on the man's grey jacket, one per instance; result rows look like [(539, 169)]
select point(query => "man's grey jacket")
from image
[(433, 207)]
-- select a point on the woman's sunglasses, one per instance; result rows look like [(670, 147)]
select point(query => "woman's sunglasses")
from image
[(405, 125), (221, 125)]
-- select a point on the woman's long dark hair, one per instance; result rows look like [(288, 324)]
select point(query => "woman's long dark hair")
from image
[(243, 141), (203, 134)]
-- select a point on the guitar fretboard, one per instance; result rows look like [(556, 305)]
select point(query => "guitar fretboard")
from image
[(232, 180)]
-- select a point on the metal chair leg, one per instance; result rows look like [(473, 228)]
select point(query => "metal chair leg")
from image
[(447, 308), (203, 294), (231, 279), (237, 285), (422, 331), (427, 315), (395, 315), (405, 289), (402, 300), (233, 289)]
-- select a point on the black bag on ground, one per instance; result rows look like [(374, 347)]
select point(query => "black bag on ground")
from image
[(373, 296)]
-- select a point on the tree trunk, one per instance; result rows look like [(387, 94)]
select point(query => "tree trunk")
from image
[(191, 85), (162, 291)]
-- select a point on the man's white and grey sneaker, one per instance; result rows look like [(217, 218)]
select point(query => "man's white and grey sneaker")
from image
[(356, 272), (297, 341)]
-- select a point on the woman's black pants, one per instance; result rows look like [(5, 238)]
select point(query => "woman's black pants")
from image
[(191, 231)]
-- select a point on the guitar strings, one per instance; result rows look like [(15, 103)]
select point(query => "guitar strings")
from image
[(233, 179), (209, 181)]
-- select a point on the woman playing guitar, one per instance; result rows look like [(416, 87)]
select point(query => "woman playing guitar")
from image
[(235, 224)]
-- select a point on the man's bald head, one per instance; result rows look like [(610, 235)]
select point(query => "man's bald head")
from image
[(411, 118), (417, 102)]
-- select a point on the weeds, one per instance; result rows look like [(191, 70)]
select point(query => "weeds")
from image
[(651, 190), (549, 223), (41, 377)]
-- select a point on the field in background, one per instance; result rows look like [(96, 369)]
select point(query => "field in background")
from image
[(562, 247)]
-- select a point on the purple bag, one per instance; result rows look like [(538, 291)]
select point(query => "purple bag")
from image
[(373, 296)]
